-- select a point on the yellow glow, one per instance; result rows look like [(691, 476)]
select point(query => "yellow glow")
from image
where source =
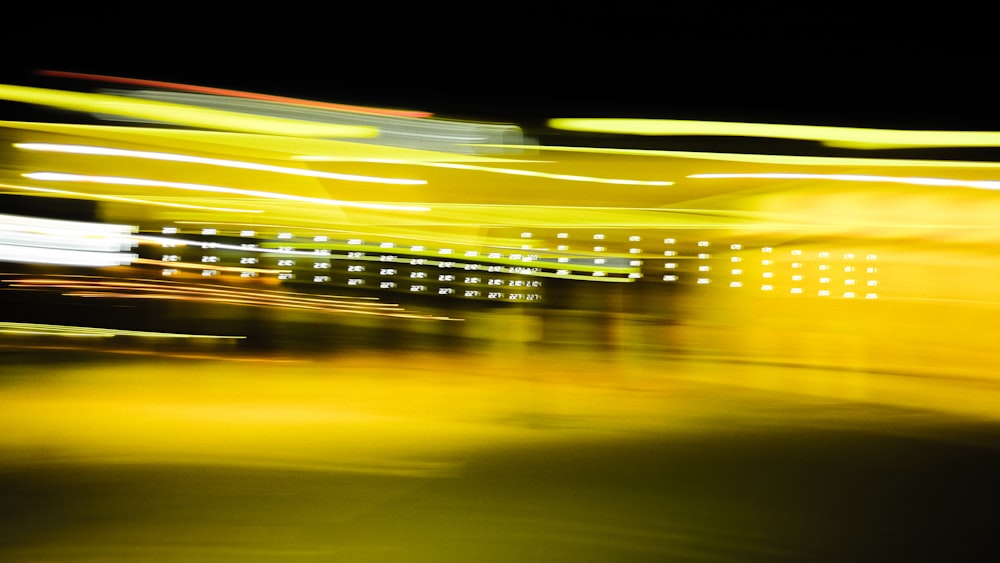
[(850, 137), (105, 151), (59, 177), (179, 114)]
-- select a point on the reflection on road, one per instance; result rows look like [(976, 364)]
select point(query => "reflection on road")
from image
[(427, 456)]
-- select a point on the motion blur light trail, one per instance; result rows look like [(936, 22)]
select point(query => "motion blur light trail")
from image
[(661, 355), (61, 330)]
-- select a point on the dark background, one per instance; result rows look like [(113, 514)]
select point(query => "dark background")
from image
[(825, 64)]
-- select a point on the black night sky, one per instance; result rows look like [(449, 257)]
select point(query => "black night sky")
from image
[(824, 64)]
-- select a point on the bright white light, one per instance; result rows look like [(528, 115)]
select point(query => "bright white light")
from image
[(37, 255)]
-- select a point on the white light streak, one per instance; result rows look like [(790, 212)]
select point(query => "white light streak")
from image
[(115, 180), (106, 151)]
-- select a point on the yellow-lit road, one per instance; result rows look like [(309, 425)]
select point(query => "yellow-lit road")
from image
[(233, 335)]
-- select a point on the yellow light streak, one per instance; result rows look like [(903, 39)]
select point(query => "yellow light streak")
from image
[(521, 172), (129, 199), (848, 137), (172, 157), (770, 158), (68, 330), (245, 146), (115, 180), (941, 182), (179, 114)]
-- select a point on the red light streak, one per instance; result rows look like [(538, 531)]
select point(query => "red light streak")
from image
[(234, 93)]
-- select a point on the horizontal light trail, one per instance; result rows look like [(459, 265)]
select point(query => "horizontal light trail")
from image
[(131, 288), (68, 330), (766, 158), (848, 137), (115, 180), (171, 157)]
